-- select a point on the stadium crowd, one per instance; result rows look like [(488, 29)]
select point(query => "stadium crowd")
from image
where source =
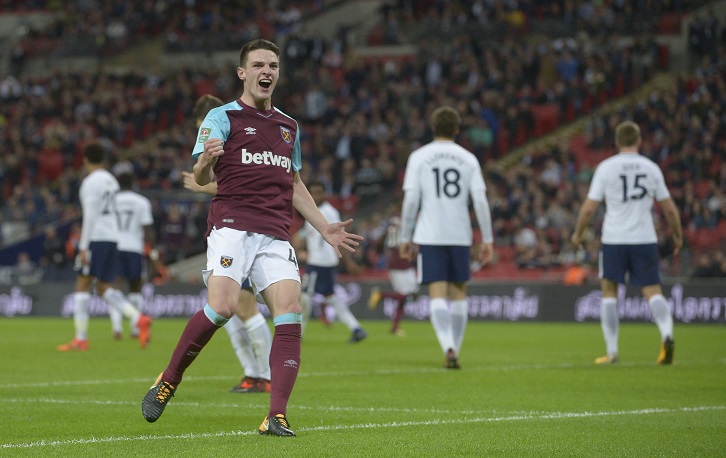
[(360, 119), (107, 27), (407, 21)]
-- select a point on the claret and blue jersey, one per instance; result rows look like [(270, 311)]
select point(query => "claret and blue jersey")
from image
[(261, 154)]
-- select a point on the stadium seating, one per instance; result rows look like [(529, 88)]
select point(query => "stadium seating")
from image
[(152, 121)]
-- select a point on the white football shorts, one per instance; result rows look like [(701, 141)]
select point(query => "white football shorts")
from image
[(240, 254), (404, 281)]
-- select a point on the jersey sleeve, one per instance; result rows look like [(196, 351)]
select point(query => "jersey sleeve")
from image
[(661, 190), (411, 177), (411, 199), (481, 205), (215, 125), (147, 216), (90, 204), (597, 185), (296, 153), (477, 180)]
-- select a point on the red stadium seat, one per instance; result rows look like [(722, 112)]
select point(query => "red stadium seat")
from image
[(663, 57), (619, 88), (521, 136), (50, 165), (546, 118), (702, 187), (669, 24), (705, 238), (502, 142), (570, 112)]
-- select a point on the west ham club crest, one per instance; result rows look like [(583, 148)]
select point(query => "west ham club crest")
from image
[(286, 134), (225, 261)]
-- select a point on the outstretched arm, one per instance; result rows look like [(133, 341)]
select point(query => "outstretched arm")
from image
[(333, 233)]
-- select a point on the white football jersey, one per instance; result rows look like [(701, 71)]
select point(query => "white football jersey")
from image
[(134, 212), (444, 174), (628, 183), (98, 201), (320, 253)]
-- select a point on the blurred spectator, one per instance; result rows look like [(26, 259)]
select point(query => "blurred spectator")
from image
[(53, 259), (576, 274), (567, 66), (526, 244), (368, 184), (26, 271), (172, 239), (74, 236), (710, 265), (481, 136)]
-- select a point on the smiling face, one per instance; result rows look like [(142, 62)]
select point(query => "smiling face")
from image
[(259, 73)]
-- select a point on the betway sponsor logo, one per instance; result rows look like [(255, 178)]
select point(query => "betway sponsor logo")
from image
[(267, 158), (696, 307), (518, 306)]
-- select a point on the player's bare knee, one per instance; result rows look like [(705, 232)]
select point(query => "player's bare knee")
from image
[(224, 309), (282, 307), (223, 304)]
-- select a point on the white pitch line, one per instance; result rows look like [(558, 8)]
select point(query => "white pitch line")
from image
[(233, 405), (191, 378), (519, 417)]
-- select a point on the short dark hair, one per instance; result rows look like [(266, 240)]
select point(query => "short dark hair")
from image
[(254, 45), (445, 122), (627, 134), (202, 106), (94, 153), (125, 180)]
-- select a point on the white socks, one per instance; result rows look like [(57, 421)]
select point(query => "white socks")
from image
[(662, 316), (610, 324), (117, 300), (343, 312), (117, 319), (136, 299), (237, 331), (459, 316), (441, 320), (260, 338), (80, 314), (251, 341), (610, 321)]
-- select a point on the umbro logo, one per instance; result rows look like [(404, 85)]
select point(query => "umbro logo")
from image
[(290, 363), (250, 130), (193, 354)]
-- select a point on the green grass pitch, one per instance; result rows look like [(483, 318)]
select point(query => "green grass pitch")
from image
[(525, 389)]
